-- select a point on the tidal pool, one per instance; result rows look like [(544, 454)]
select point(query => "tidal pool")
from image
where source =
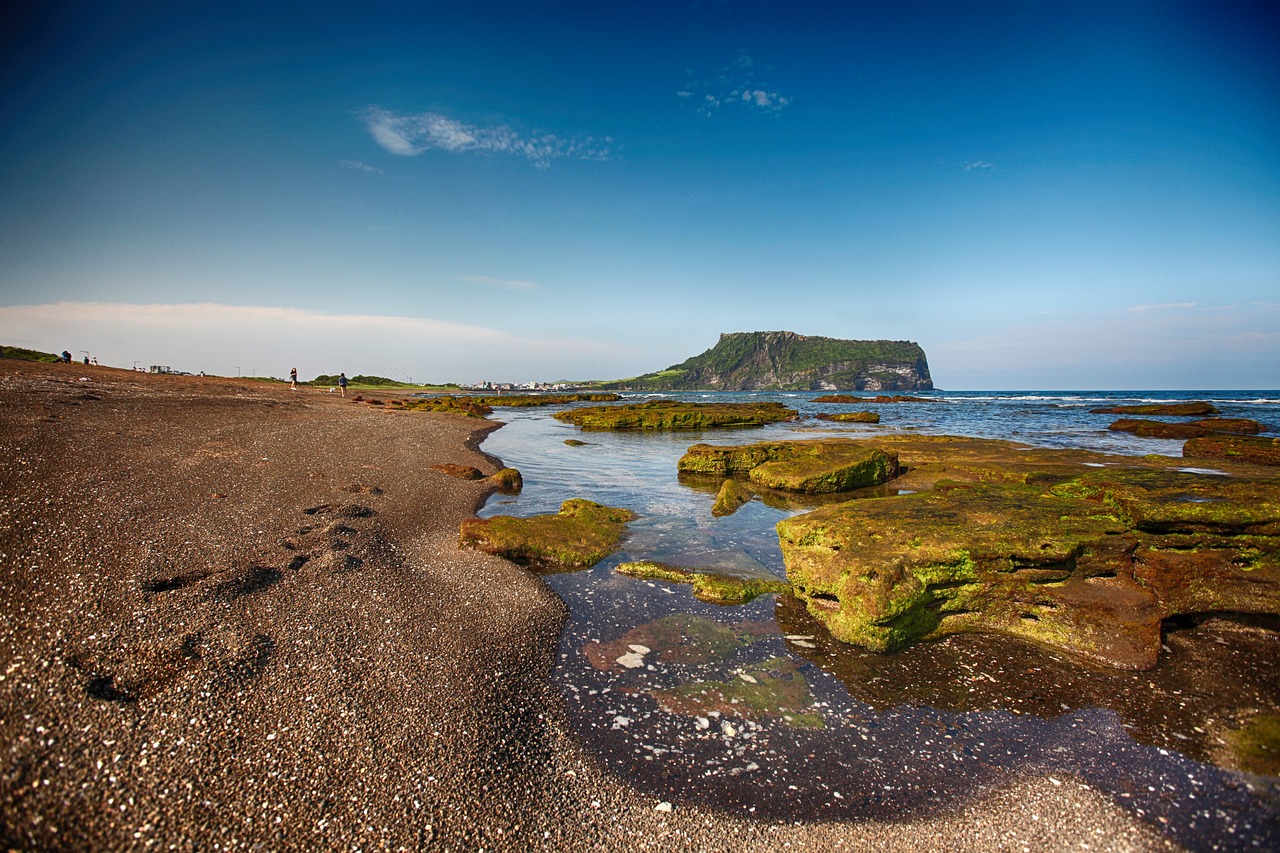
[(754, 708)]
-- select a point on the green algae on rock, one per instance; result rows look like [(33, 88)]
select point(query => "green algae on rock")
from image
[(851, 417), (818, 466), (674, 415), (1187, 429), (1177, 409), (732, 495), (681, 639), (1255, 746), (709, 584), (1257, 450), (461, 472), (1089, 563), (582, 534), (508, 481), (772, 688)]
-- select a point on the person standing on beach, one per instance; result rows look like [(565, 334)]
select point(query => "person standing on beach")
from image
[(342, 383), (293, 379)]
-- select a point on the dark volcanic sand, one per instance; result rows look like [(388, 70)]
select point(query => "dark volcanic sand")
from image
[(236, 616)]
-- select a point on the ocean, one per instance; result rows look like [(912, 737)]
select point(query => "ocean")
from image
[(723, 709)]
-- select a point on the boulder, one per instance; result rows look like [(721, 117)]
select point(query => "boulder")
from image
[(811, 467), (1258, 450), (1089, 563), (582, 534), (508, 481)]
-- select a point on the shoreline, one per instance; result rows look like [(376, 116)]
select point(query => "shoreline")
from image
[(175, 672)]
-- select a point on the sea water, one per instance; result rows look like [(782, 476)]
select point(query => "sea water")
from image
[(755, 708)]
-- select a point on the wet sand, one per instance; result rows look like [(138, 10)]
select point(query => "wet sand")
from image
[(236, 615)]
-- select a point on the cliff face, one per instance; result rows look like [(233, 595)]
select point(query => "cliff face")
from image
[(785, 361)]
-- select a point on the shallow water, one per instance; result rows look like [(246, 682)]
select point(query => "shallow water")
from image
[(755, 708)]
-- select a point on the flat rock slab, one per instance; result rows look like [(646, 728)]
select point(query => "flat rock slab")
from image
[(1257, 450), (581, 534), (1187, 429), (673, 415), (709, 584), (1086, 560), (810, 467), (1193, 409)]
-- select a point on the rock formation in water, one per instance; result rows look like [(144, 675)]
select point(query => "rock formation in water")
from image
[(1082, 552), (785, 361)]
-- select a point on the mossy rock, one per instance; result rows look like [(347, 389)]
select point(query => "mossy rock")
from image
[(1256, 450), (708, 585), (732, 495), (582, 534), (1089, 565), (508, 481), (771, 688), (673, 415), (526, 400), (820, 466), (1192, 409), (461, 472), (447, 404), (1255, 746), (1189, 429), (573, 442), (852, 417)]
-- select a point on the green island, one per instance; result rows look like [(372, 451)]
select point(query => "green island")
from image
[(785, 361)]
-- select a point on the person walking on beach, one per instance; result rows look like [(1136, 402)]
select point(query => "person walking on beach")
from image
[(293, 379), (342, 383)]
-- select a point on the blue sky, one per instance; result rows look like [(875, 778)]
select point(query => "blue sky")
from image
[(1042, 194)]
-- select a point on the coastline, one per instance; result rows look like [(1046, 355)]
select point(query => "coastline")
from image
[(173, 675)]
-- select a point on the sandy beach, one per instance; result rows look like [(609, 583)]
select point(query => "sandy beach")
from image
[(236, 616)]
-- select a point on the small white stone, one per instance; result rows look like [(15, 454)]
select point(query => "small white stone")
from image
[(728, 729), (639, 649), (702, 722), (750, 679), (632, 660), (662, 807)]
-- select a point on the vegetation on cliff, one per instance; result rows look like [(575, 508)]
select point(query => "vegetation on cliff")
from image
[(772, 361)]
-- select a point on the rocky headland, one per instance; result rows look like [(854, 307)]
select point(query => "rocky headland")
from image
[(785, 361)]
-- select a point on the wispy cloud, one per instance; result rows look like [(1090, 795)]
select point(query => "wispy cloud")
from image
[(503, 283), (361, 167), (1164, 306), (979, 166), (737, 83), (412, 134)]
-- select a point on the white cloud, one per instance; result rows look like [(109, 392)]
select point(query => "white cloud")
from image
[(736, 83), (978, 166), (504, 283), (410, 135), (361, 167), (1165, 306), (226, 339)]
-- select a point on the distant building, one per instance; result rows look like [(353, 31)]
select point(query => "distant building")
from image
[(160, 368)]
